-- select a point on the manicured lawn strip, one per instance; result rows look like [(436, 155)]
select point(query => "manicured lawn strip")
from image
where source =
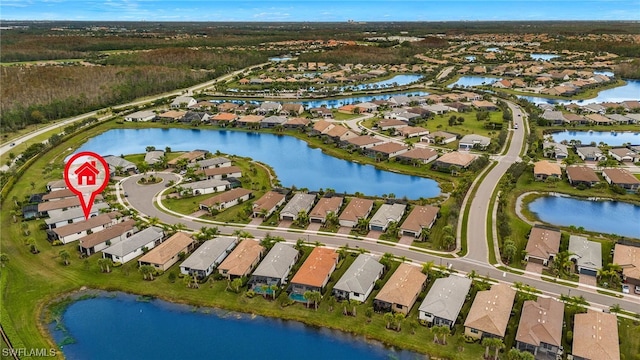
[(628, 331)]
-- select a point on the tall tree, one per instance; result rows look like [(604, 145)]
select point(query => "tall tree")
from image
[(64, 255)]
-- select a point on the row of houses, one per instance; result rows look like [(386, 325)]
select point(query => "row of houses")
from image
[(581, 114), (584, 175)]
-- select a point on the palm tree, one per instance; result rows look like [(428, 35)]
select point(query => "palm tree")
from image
[(316, 296), (147, 272), (105, 264), (236, 283), (509, 249), (331, 301), (388, 318), (4, 258), (442, 330), (273, 288), (427, 267), (399, 317), (448, 241), (498, 345), (488, 344), (331, 219), (32, 246), (64, 255), (307, 296), (363, 224)]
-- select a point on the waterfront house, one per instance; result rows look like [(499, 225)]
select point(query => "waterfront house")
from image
[(590, 153), (153, 156), (208, 256), (401, 291), (340, 133), (163, 256), (206, 186), (191, 156), (454, 160), (275, 267), (273, 121), (358, 281), (62, 217), (215, 162), (595, 336), (321, 112), (135, 245), (582, 175), (421, 217), (299, 202), (440, 138), (77, 230), (297, 123), (100, 240), (542, 246), (386, 214), (268, 107), (490, 312), (267, 204), (223, 118), (172, 115), (182, 102), (242, 259), (226, 199), (471, 141), (325, 206), (356, 209), (544, 169), (249, 120), (554, 117), (144, 115), (622, 178), (116, 162), (624, 155), (628, 257), (444, 301), (321, 127), (221, 172), (419, 155), (314, 273), (387, 150), (540, 327), (364, 141), (587, 255), (291, 109)]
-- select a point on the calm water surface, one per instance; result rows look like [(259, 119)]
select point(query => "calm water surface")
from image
[(630, 91), (294, 162), (543, 57), (609, 217), (607, 137), (120, 327), (474, 81)]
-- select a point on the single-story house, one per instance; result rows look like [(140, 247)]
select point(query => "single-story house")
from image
[(299, 202), (191, 156), (554, 117), (454, 159), (595, 336), (206, 186), (444, 301), (484, 105), (587, 255), (215, 162), (437, 108), (226, 199), (267, 107), (291, 109), (385, 215), (144, 115), (599, 119), (116, 162), (622, 178), (470, 141), (420, 155), (543, 245), (153, 156), (297, 123), (163, 256), (358, 281), (340, 133), (321, 127), (590, 153), (490, 312), (314, 273), (135, 245), (208, 256), (249, 120), (242, 259), (45, 207), (540, 327), (544, 169), (401, 291), (56, 185), (273, 121), (63, 217), (624, 155), (183, 101), (172, 115), (276, 266), (421, 217), (582, 175), (267, 204), (100, 240), (628, 257), (387, 150), (391, 124), (58, 195), (321, 112), (555, 150), (77, 230), (399, 100), (356, 209), (440, 138), (412, 131), (364, 141), (323, 207), (223, 118), (221, 172)]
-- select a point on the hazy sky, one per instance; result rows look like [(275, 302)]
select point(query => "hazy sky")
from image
[(327, 10)]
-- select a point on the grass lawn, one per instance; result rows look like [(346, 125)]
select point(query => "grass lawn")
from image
[(469, 126)]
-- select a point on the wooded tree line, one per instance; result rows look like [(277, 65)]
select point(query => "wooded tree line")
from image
[(625, 49), (190, 58), (365, 55)]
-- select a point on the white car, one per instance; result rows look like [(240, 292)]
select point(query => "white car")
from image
[(625, 289)]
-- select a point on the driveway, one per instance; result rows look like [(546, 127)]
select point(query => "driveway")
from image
[(587, 280), (406, 240), (534, 268), (314, 226)]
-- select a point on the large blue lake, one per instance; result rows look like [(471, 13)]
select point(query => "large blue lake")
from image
[(607, 137), (609, 217), (294, 162), (465, 81), (122, 328)]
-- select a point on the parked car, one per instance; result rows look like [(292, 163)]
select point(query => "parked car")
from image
[(625, 288), (637, 289)]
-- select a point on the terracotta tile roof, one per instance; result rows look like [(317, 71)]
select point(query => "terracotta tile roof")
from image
[(582, 174), (298, 121), (100, 220), (171, 247), (357, 208), (546, 168), (190, 156), (391, 122), (322, 126), (226, 197), (541, 322), (420, 154), (420, 217), (403, 286), (239, 262), (595, 336), (268, 201), (58, 194), (388, 148), (364, 140), (337, 131), (316, 268), (109, 233), (173, 114), (326, 205), (61, 204), (410, 130), (543, 242), (457, 158), (628, 257), (491, 310), (621, 176), (224, 116), (251, 119)]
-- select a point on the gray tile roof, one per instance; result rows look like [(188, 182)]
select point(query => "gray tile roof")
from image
[(298, 202), (277, 262), (213, 161), (446, 297), (203, 184), (387, 213), (360, 275), (208, 252), (136, 240), (586, 253)]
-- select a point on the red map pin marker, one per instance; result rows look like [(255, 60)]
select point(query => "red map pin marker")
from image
[(87, 175)]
